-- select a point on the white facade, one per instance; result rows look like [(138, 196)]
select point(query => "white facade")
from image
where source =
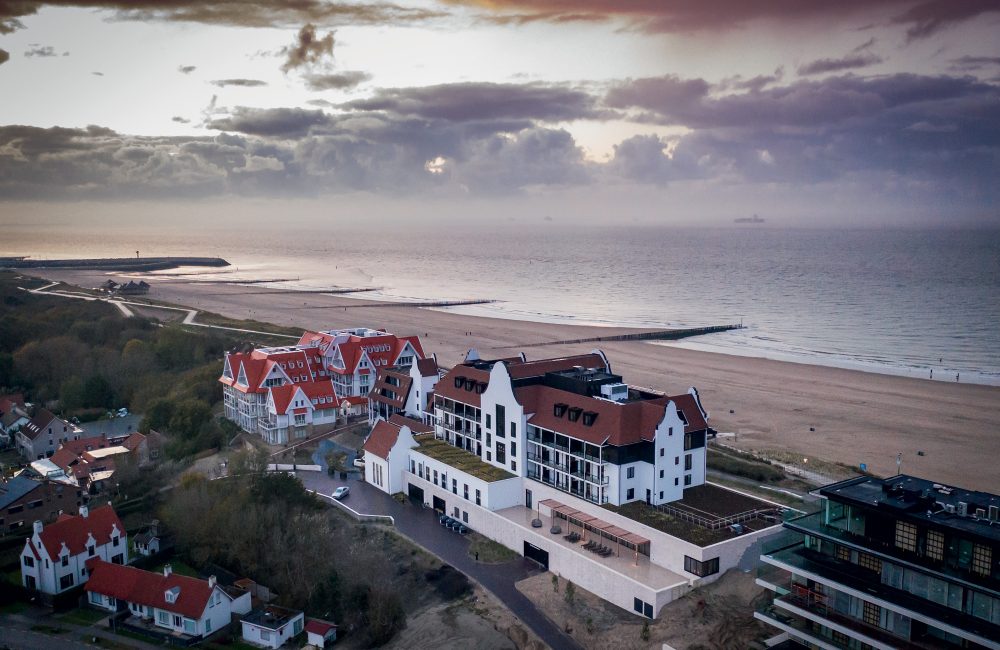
[(271, 635), (54, 573), (39, 439), (387, 473)]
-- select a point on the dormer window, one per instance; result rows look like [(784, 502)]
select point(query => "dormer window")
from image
[(559, 410), (588, 418), (469, 384), (480, 388), (459, 381), (574, 413), (170, 595)]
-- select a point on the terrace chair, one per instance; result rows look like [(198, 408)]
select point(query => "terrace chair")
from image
[(589, 545)]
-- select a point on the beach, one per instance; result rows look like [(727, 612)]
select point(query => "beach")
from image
[(770, 406)]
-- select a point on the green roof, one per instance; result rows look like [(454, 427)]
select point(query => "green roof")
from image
[(460, 459)]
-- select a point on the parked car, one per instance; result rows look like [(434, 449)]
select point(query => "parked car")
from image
[(341, 492)]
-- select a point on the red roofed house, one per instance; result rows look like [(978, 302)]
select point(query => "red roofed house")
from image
[(404, 389), (319, 633), (387, 455), (40, 437), (329, 367), (13, 415), (179, 604), (55, 556)]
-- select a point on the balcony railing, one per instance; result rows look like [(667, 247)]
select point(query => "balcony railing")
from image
[(599, 498)]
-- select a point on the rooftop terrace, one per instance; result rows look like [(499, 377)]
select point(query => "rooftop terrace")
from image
[(461, 460)]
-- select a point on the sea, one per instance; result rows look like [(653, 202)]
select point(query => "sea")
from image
[(903, 301)]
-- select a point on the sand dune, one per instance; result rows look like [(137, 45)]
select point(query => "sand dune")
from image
[(857, 416)]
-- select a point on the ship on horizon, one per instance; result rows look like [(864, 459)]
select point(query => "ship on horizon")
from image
[(753, 219)]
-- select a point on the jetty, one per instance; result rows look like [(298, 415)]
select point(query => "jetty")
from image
[(112, 263), (658, 335)]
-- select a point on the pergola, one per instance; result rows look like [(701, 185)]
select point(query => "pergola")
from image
[(602, 529)]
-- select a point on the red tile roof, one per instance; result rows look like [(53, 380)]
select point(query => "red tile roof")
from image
[(518, 370), (320, 388), (319, 627), (41, 421), (688, 406), (427, 367), (416, 426), (74, 530), (148, 588), (542, 366), (84, 444), (382, 439), (384, 392), (283, 396)]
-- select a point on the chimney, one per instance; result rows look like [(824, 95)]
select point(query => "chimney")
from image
[(167, 570), (211, 582), (84, 512), (154, 528), (38, 526)]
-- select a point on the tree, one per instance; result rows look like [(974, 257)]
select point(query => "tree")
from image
[(97, 392), (158, 415), (569, 593), (188, 417), (555, 583)]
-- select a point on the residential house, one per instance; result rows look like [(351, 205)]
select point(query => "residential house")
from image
[(272, 626), (319, 633), (55, 557), (177, 604), (91, 461), (40, 437), (901, 562), (24, 499), (561, 461), (13, 415), (155, 539), (404, 389)]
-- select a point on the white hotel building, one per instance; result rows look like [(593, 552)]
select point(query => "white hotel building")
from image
[(289, 393), (546, 456)]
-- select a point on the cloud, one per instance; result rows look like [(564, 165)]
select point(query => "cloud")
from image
[(249, 83), (279, 122), (180, 120), (186, 69), (308, 49), (849, 62), (42, 51), (973, 63), (237, 13), (921, 17), (97, 74), (4, 56), (483, 101), (336, 81)]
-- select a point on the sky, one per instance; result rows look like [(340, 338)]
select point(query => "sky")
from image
[(689, 111)]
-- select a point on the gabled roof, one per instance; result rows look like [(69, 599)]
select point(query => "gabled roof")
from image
[(41, 422), (322, 628), (427, 367), (16, 488), (382, 439), (320, 388), (134, 441), (73, 531), (77, 447), (691, 412), (385, 392), (416, 426), (148, 588), (282, 397)]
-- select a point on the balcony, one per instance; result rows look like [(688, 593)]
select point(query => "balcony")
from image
[(537, 476), (842, 573)]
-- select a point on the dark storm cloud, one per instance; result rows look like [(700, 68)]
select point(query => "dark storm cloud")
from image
[(336, 81), (974, 63), (849, 62), (281, 122), (186, 69), (247, 83), (483, 101), (309, 49), (241, 13), (920, 17)]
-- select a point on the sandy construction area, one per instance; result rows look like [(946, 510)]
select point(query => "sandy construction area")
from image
[(857, 416)]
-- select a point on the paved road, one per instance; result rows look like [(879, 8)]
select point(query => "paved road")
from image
[(16, 632), (421, 526)]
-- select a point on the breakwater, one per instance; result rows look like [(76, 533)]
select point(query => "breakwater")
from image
[(113, 263), (658, 335)]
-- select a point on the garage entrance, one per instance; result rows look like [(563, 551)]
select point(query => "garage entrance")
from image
[(415, 492), (532, 552), (439, 504)]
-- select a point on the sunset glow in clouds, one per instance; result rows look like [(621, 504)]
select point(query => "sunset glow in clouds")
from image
[(664, 109)]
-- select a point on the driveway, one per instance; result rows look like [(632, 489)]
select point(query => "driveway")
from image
[(421, 526)]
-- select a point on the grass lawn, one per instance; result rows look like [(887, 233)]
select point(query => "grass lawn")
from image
[(489, 552), (15, 607), (178, 567), (82, 616)]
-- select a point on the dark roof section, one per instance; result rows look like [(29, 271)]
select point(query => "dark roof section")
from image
[(923, 501), (271, 617), (40, 422), (416, 426), (382, 439), (385, 391), (16, 488)]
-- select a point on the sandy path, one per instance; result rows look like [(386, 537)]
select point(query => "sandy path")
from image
[(857, 416)]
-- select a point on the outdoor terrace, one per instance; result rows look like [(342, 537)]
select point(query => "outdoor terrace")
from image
[(461, 460), (705, 515)]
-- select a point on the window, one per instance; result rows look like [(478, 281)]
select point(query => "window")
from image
[(454, 488), (703, 568), (630, 472), (662, 449), (981, 557), (661, 495), (95, 598), (935, 545), (265, 635), (513, 449), (870, 613), (630, 494), (189, 626), (162, 617), (513, 431), (677, 460), (513, 465), (870, 562), (114, 541), (28, 560), (501, 421), (489, 456), (677, 481), (465, 516), (465, 492), (435, 477), (687, 479), (906, 535), (66, 581), (661, 473), (688, 464), (843, 553), (477, 497), (90, 550), (489, 422), (501, 453)]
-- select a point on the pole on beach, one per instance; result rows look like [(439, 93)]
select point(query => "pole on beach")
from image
[(899, 462)]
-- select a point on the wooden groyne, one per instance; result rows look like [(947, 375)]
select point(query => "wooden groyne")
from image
[(659, 335), (410, 303), (114, 263)]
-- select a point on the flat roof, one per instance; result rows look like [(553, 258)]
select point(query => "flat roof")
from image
[(461, 460), (272, 617)]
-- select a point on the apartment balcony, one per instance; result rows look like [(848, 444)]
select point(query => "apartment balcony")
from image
[(600, 498), (842, 574), (536, 439)]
